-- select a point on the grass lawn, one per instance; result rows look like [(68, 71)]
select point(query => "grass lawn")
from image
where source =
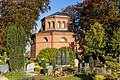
[(43, 77), (19, 75), (15, 75), (76, 77)]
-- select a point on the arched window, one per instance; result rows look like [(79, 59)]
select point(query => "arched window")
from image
[(48, 25), (59, 24), (63, 24), (45, 39), (63, 39), (53, 24)]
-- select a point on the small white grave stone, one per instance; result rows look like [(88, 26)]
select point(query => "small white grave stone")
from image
[(76, 62), (50, 68), (30, 67)]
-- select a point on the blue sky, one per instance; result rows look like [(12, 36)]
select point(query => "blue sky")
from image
[(56, 5)]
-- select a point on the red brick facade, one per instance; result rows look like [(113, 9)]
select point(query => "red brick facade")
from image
[(53, 34)]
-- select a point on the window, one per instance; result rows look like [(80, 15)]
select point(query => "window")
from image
[(63, 25), (48, 25), (45, 39), (53, 24), (59, 24), (63, 39)]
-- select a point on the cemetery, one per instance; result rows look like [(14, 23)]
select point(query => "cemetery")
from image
[(80, 42)]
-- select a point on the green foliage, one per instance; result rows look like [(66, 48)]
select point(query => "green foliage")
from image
[(108, 58), (22, 13), (48, 54), (2, 63), (91, 62), (71, 54), (16, 43), (27, 62), (95, 40), (99, 77), (115, 42), (113, 65), (4, 56), (2, 40)]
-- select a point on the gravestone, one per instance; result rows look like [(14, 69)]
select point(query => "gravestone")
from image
[(67, 57), (4, 68), (63, 58), (30, 67), (58, 58), (86, 65), (50, 68), (76, 62)]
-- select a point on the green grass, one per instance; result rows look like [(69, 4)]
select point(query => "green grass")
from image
[(76, 77), (15, 75), (19, 75), (43, 77)]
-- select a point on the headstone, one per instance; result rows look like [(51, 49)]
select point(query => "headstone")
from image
[(76, 62), (67, 57), (58, 58), (63, 58), (86, 65), (50, 68), (4, 68), (30, 67)]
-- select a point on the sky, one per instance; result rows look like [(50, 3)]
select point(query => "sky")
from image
[(56, 6)]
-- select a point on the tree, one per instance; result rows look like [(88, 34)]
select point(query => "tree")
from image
[(103, 11), (95, 40), (115, 43), (2, 41), (16, 43), (73, 12), (48, 54), (22, 13)]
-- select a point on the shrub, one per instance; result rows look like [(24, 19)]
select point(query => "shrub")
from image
[(38, 68), (2, 63), (99, 77), (4, 56), (109, 77), (48, 54), (108, 58)]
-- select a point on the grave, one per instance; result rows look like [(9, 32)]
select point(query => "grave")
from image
[(50, 68), (4, 68), (30, 67), (76, 62)]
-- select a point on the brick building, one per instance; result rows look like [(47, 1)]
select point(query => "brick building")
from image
[(54, 33)]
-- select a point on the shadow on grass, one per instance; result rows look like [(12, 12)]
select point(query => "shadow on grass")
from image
[(84, 77)]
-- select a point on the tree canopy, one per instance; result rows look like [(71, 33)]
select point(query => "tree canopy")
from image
[(95, 40), (22, 13)]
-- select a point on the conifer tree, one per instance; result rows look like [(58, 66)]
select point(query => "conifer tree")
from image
[(16, 43)]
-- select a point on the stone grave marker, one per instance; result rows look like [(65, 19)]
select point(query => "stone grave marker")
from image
[(50, 68), (63, 58), (67, 57), (30, 67), (58, 58), (4, 68), (76, 62)]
